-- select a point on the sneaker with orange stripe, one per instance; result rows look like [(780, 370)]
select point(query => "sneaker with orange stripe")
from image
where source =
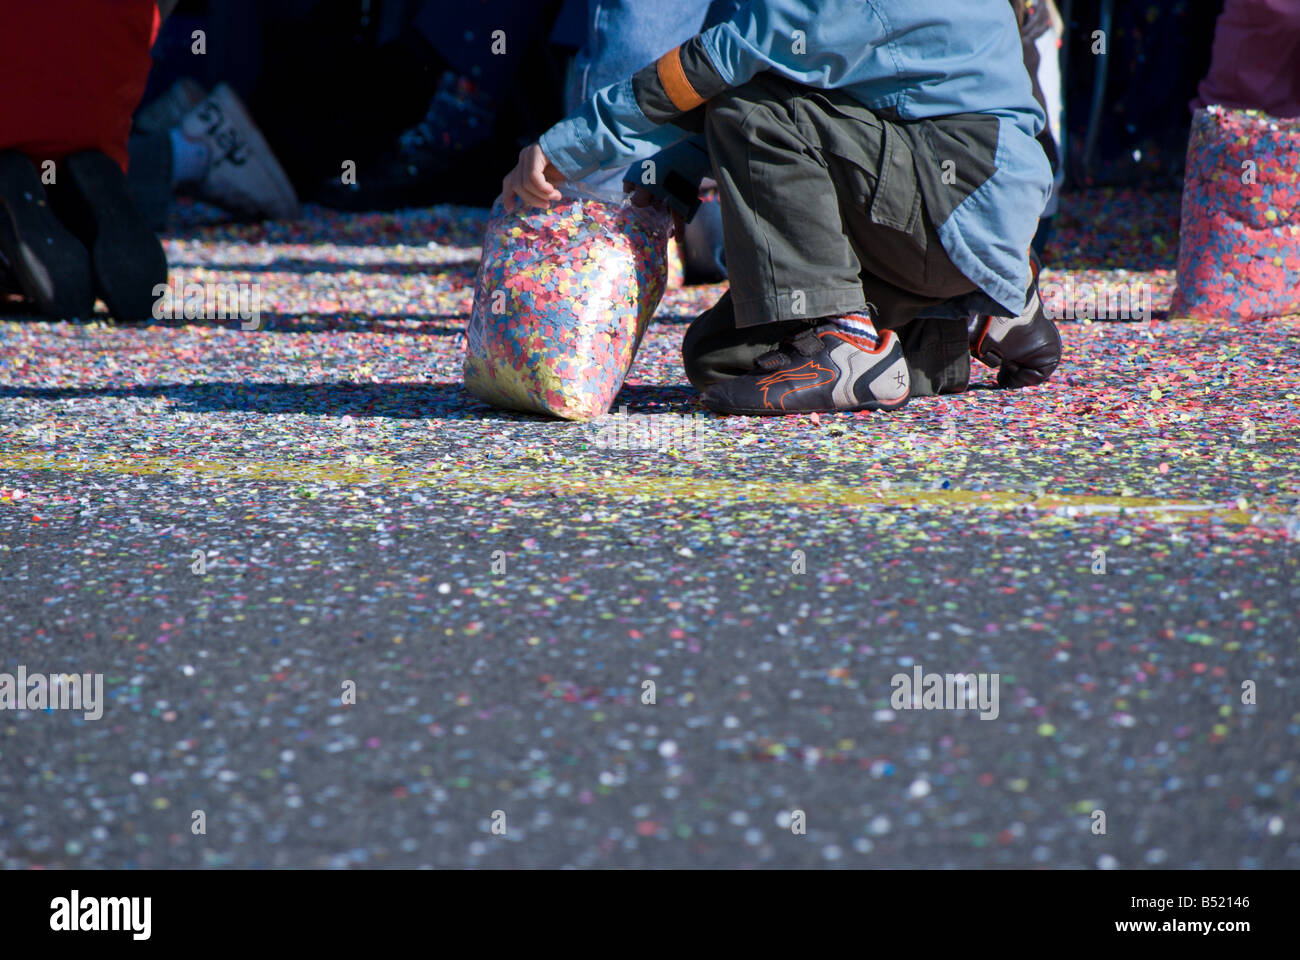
[(823, 369)]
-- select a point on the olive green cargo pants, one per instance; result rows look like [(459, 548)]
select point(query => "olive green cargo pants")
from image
[(828, 206)]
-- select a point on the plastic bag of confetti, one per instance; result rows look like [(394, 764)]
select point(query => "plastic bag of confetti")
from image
[(561, 301), (1239, 246)]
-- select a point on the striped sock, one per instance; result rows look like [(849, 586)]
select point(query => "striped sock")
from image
[(858, 324)]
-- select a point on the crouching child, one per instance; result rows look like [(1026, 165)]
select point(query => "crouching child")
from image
[(878, 172)]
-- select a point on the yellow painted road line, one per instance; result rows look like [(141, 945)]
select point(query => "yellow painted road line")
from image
[(620, 486)]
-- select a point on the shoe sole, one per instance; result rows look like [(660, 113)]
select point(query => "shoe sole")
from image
[(50, 264), (126, 258), (872, 406)]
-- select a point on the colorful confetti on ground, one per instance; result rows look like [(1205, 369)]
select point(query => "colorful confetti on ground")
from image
[(231, 524)]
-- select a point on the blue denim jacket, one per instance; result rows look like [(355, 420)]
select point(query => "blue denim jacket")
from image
[(919, 58), (620, 37)]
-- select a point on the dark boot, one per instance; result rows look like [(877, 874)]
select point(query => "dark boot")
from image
[(48, 263), (1025, 349), (413, 173), (126, 258)]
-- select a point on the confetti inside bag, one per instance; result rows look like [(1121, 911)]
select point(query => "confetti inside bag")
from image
[(1239, 245), (562, 299)]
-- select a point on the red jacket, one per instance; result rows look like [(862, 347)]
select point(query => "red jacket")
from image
[(72, 73)]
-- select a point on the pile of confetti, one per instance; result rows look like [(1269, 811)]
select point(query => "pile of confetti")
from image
[(1240, 249), (562, 299)]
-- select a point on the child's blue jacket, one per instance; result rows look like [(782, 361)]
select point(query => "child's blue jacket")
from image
[(919, 58)]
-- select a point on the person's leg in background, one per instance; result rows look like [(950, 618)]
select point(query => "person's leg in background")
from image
[(1256, 59), (1041, 32), (193, 134), (481, 51), (326, 81), (68, 226), (483, 48), (208, 146)]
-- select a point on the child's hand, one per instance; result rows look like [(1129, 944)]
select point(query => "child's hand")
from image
[(641, 197), (532, 180)]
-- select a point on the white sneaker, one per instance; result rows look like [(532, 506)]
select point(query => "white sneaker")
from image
[(169, 109), (243, 177)]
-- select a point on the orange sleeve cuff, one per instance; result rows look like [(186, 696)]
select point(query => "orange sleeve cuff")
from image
[(673, 77)]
